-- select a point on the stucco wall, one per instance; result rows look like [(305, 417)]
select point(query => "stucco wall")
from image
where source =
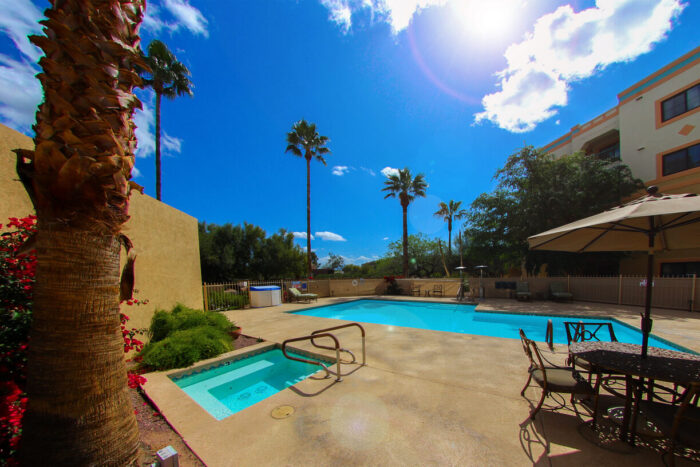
[(640, 140), (166, 240), (14, 201)]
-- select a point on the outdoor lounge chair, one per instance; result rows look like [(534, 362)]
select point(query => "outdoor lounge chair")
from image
[(437, 290), (522, 292), (552, 378), (415, 291), (558, 292), (298, 296)]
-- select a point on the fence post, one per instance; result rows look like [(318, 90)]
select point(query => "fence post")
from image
[(206, 296), (619, 290)]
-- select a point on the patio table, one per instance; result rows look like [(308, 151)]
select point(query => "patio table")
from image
[(660, 365)]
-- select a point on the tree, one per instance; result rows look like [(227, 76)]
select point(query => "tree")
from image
[(334, 262), (304, 141), (536, 192), (229, 252), (167, 77), (450, 212), (406, 188), (78, 410), (424, 254)]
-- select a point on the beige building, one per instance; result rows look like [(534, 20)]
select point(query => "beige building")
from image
[(655, 130), (166, 240)]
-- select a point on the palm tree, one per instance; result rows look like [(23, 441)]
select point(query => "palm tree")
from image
[(169, 78), (79, 411), (406, 188), (304, 141), (450, 212)]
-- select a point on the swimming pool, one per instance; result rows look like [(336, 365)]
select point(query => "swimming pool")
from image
[(465, 319), (236, 385)]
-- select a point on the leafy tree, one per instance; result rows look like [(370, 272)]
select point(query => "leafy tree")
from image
[(423, 253), (229, 252), (334, 262), (167, 77), (304, 141), (449, 212), (537, 192), (78, 410), (406, 188)]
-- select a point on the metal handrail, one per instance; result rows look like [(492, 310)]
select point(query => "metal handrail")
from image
[(549, 335), (314, 362), (362, 330)]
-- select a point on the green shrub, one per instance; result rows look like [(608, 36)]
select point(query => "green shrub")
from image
[(184, 347), (220, 301), (164, 323)]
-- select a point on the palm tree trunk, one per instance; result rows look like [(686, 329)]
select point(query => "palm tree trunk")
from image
[(449, 237), (158, 185), (405, 241), (308, 216), (78, 411)]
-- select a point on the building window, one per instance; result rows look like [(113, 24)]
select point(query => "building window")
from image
[(680, 103), (678, 161), (610, 153), (681, 269)]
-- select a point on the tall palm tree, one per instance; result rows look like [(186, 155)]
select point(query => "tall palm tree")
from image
[(304, 141), (79, 411), (406, 188), (450, 212), (167, 77)]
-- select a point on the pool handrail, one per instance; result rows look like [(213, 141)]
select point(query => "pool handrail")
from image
[(347, 325), (549, 335), (314, 362)]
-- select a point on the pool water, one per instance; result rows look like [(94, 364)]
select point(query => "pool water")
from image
[(465, 319), (234, 386)]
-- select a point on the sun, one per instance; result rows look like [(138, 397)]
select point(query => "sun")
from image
[(485, 19)]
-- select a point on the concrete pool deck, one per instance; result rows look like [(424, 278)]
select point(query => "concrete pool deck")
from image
[(425, 397)]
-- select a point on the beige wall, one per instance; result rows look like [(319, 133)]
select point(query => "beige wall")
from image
[(14, 201), (166, 240), (640, 140)]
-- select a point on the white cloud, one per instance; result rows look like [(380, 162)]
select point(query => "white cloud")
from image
[(145, 130), (397, 13), (182, 15), (340, 170), (369, 171), (20, 91), (387, 171), (330, 236), (358, 260), (385, 238), (566, 46), (135, 173), (302, 235), (340, 12), (18, 19)]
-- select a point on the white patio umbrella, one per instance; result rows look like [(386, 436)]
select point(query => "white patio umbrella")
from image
[(651, 223)]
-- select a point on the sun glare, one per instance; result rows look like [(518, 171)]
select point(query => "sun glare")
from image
[(484, 19)]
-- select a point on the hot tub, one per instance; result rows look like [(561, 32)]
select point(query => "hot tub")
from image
[(265, 295)]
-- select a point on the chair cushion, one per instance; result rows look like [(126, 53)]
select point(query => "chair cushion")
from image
[(562, 380)]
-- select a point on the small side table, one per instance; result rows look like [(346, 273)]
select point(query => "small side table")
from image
[(427, 293)]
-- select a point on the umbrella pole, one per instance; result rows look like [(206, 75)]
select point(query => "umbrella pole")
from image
[(646, 319)]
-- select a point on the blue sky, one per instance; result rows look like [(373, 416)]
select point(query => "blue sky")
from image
[(448, 88)]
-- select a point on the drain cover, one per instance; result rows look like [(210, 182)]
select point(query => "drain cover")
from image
[(283, 411)]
